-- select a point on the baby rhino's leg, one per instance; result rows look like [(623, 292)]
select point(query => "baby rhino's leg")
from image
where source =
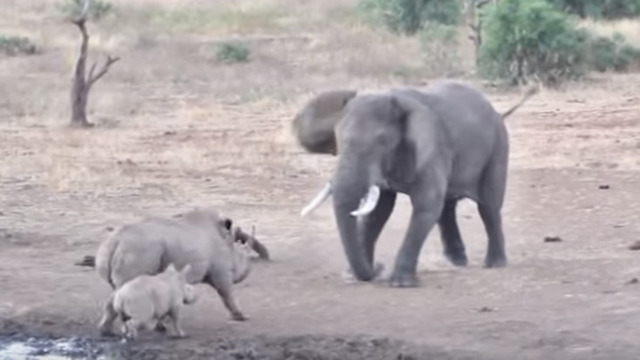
[(174, 316), (223, 283), (130, 329), (110, 315)]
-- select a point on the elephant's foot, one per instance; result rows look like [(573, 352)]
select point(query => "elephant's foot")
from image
[(349, 278), (404, 280), (457, 258), (498, 261)]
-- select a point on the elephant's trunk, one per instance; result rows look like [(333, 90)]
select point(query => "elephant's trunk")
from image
[(349, 186)]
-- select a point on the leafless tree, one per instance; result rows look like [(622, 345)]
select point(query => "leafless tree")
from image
[(82, 82), (474, 22)]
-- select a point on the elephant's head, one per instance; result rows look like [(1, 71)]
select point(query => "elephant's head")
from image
[(314, 125), (378, 150)]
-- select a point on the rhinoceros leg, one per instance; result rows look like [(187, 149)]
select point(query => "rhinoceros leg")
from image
[(223, 283), (110, 315)]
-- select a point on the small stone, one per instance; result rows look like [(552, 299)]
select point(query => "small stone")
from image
[(550, 239), (485, 309), (635, 246), (633, 281), (604, 187)]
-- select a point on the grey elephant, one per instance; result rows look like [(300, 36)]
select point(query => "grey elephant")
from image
[(437, 145), (200, 238)]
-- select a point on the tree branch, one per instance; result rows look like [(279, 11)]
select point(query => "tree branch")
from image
[(105, 68), (92, 71), (481, 3)]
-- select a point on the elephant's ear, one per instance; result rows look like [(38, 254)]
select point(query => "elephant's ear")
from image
[(421, 129), (314, 125)]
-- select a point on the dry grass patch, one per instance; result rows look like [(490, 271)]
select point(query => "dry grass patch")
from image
[(629, 28)]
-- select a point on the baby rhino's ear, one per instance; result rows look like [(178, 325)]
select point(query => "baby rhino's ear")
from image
[(171, 268)]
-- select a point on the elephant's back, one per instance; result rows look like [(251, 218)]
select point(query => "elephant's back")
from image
[(476, 130), (456, 101)]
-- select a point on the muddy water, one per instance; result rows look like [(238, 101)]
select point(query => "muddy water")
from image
[(20, 348)]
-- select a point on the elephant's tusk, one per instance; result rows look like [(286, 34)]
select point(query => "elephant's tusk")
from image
[(319, 199), (368, 203)]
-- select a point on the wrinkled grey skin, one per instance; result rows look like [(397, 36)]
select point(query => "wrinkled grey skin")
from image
[(438, 145), (200, 238)]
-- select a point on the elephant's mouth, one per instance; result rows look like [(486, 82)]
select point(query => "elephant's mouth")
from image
[(367, 203)]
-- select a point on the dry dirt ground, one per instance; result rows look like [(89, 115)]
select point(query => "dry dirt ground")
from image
[(174, 131)]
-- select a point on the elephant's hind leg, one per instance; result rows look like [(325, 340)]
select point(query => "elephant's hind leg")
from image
[(452, 242), (490, 206)]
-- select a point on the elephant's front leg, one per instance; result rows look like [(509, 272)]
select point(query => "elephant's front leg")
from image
[(426, 212), (369, 230)]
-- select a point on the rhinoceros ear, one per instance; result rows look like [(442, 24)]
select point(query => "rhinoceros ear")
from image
[(171, 268), (227, 223)]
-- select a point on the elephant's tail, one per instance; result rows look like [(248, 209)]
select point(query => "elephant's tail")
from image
[(529, 92), (104, 258)]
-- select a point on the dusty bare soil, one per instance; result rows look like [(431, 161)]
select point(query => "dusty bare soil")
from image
[(176, 130)]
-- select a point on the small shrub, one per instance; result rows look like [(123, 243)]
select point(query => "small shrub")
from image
[(98, 9), (600, 9), (15, 45), (233, 52), (531, 39), (612, 53), (410, 16), (439, 45)]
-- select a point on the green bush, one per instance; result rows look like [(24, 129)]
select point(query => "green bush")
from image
[(612, 54), (531, 39), (233, 52), (14, 45), (98, 9), (410, 16), (600, 9)]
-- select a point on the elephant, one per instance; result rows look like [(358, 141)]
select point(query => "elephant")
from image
[(437, 145)]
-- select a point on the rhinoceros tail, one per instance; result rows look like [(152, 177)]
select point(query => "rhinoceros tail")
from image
[(104, 258)]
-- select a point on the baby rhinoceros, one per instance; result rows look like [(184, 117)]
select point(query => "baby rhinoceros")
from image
[(200, 238), (144, 301)]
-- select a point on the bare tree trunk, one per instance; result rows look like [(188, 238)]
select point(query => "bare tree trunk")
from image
[(82, 82), (79, 90), (474, 22)]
